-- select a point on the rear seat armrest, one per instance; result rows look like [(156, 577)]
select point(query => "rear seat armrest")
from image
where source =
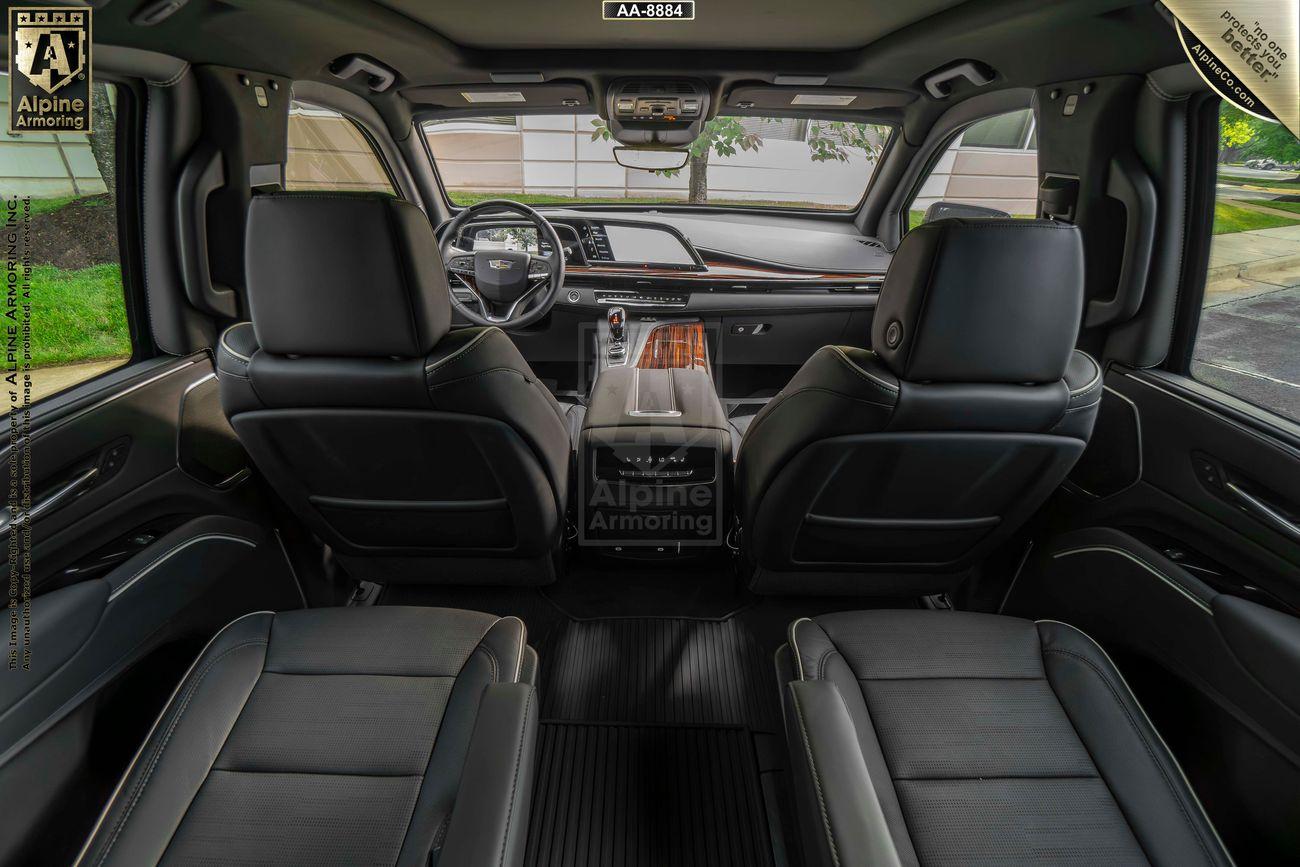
[(846, 825), (489, 823)]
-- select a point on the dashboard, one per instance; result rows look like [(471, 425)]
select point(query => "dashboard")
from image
[(697, 262), (603, 242), (770, 288)]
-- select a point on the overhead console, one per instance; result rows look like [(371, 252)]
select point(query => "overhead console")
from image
[(657, 111)]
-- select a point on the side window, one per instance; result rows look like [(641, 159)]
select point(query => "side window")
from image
[(59, 206), (1248, 342), (328, 151), (989, 170)]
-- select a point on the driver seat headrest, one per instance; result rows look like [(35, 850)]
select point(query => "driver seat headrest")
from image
[(988, 301), (344, 274)]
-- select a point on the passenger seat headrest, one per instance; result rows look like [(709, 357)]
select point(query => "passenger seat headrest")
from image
[(344, 274), (981, 301)]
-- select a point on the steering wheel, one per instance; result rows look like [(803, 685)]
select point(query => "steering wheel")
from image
[(511, 288)]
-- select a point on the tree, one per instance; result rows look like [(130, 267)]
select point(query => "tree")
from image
[(724, 136), (102, 137), (1255, 138), (1234, 129)]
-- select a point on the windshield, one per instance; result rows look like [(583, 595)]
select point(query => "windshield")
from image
[(569, 159)]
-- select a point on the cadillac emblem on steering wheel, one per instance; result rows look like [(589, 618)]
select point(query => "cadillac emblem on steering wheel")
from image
[(500, 264)]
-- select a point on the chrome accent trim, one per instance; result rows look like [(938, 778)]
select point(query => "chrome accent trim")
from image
[(9, 519), (56, 425), (671, 412), (164, 557), (1261, 510), (1109, 549), (230, 481)]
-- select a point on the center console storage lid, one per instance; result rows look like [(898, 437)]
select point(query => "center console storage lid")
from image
[(639, 397)]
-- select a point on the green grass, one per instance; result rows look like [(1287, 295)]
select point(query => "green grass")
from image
[(1230, 218), (45, 206), (78, 315), (1294, 207), (1285, 183)]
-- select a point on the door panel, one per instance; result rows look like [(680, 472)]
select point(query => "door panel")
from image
[(1190, 454), (150, 539), (1157, 556)]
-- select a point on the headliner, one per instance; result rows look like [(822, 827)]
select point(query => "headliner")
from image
[(883, 44), (762, 25)]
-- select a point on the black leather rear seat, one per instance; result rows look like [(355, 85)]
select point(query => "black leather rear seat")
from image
[(923, 737), (337, 736)]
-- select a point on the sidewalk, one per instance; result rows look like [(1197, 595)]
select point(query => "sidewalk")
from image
[(1254, 254)]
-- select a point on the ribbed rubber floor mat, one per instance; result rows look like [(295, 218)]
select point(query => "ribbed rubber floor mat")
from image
[(633, 795), (658, 670)]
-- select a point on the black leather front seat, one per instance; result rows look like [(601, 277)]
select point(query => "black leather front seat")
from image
[(928, 737), (895, 471), (417, 453), (337, 736)]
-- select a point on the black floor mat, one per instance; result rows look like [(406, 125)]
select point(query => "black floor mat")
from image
[(650, 745), (661, 739), (658, 670), (631, 795)]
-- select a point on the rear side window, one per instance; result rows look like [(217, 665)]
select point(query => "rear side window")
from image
[(60, 194), (989, 170), (1248, 342), (328, 151)]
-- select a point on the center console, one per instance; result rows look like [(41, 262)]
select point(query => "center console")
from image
[(654, 454)]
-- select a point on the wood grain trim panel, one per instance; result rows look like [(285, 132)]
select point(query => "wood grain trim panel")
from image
[(675, 345)]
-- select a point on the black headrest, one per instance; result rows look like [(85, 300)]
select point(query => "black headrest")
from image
[(981, 301), (344, 274)]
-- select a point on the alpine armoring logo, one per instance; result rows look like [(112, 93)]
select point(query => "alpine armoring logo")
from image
[(49, 62)]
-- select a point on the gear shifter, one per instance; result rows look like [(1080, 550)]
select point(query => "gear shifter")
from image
[(617, 319), (616, 322)]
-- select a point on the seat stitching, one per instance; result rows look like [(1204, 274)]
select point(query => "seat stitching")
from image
[(1094, 382), (817, 783), (770, 409), (175, 79), (480, 375), (514, 785), (492, 659), (1146, 744), (821, 666), (138, 789), (473, 344), (246, 359), (871, 379), (794, 645)]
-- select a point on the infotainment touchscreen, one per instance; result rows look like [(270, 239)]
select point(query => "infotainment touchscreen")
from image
[(637, 245)]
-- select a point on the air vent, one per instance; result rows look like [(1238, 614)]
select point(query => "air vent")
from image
[(870, 242)]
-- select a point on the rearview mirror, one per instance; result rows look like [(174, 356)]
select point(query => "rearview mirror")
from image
[(656, 160)]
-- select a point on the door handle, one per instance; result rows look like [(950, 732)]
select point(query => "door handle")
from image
[(1264, 512), (61, 495)]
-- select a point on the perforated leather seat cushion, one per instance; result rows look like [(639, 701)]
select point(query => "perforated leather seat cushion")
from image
[(335, 736), (977, 739)]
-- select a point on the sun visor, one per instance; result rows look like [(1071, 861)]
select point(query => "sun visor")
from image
[(766, 97), (550, 95)]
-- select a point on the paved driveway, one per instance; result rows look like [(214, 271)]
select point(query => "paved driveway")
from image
[(1249, 343)]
